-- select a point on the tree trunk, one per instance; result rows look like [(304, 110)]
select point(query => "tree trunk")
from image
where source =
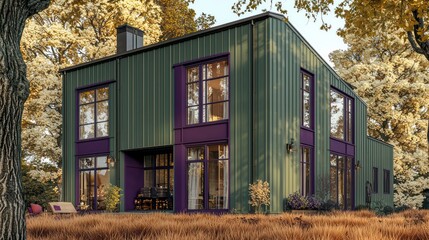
[(14, 90)]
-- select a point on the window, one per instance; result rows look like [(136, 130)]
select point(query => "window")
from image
[(208, 177), (207, 92), (375, 180), (306, 171), (386, 186), (94, 113), (341, 184), (307, 100), (94, 178), (341, 116), (158, 172)]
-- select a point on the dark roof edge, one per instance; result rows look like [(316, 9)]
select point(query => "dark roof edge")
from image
[(179, 39), (379, 141)]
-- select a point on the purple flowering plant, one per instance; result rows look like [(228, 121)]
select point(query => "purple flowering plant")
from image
[(296, 201)]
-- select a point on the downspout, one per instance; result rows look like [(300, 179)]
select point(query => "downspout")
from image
[(252, 89)]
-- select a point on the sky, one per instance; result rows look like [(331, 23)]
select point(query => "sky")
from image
[(324, 42)]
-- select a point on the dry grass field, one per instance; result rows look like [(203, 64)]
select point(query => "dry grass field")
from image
[(411, 224)]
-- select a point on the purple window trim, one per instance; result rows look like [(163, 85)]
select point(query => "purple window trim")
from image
[(341, 147), (312, 168), (77, 175), (180, 166), (205, 162), (346, 116), (312, 99)]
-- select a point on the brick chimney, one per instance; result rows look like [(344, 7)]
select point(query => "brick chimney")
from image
[(128, 38)]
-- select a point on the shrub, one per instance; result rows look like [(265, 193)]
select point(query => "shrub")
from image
[(296, 201), (259, 194), (402, 208), (329, 205), (113, 197), (313, 203)]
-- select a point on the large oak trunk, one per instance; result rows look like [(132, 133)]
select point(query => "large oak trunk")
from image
[(14, 90)]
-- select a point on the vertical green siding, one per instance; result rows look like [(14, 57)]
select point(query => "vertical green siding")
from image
[(265, 61), (72, 80)]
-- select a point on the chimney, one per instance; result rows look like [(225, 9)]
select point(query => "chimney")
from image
[(128, 38)]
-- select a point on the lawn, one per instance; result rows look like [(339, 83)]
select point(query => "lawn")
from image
[(410, 224)]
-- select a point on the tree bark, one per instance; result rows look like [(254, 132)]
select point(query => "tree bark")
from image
[(14, 90)]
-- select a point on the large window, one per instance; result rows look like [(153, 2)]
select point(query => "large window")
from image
[(386, 182), (307, 180), (307, 100), (94, 178), (341, 181), (207, 92), (341, 116), (158, 172), (207, 178), (375, 180), (94, 113)]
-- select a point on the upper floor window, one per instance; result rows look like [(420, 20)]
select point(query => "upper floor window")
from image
[(341, 116), (207, 87), (307, 100), (94, 113), (375, 180)]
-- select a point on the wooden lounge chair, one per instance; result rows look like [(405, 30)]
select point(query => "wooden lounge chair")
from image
[(62, 207)]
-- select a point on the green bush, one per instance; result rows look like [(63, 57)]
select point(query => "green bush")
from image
[(113, 197)]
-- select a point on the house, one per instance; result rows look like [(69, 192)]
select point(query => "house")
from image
[(187, 124)]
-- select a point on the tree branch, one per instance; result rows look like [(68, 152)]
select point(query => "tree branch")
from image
[(413, 43), (35, 6)]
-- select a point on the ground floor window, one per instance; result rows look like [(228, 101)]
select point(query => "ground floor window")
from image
[(386, 182), (208, 177), (341, 180), (307, 174), (94, 178)]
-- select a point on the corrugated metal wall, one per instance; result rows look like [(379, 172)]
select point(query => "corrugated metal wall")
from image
[(72, 80), (264, 109)]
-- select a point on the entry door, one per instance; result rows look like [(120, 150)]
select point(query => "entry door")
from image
[(341, 181)]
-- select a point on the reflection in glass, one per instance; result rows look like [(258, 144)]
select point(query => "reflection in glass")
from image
[(86, 131), (340, 179), (217, 69), (218, 152), (192, 114), (306, 171), (217, 111), (218, 184), (337, 115), (192, 74), (217, 90), (195, 185), (102, 94), (87, 189), (148, 178), (86, 114), (86, 97), (193, 94), (195, 153), (85, 163), (306, 121), (103, 129), (333, 179), (103, 181), (349, 183), (102, 111), (341, 184), (102, 162)]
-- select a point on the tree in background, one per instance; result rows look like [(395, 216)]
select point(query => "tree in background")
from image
[(394, 82), (14, 90), (363, 18)]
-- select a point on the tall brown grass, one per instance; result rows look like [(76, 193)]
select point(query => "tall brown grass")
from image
[(338, 225)]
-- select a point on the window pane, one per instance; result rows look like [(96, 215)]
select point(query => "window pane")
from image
[(350, 127), (192, 115), (218, 184), (86, 131), (218, 152), (162, 178), (148, 161), (192, 74), (306, 82), (86, 97), (102, 111), (102, 93), (196, 153), (217, 111), (217, 90), (148, 178), (306, 171), (333, 179), (195, 185), (337, 115), (102, 162), (193, 94), (375, 180), (340, 188), (103, 129), (87, 189), (103, 181), (217, 69), (85, 163), (86, 114), (306, 121)]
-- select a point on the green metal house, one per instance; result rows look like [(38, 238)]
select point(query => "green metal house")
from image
[(187, 124)]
